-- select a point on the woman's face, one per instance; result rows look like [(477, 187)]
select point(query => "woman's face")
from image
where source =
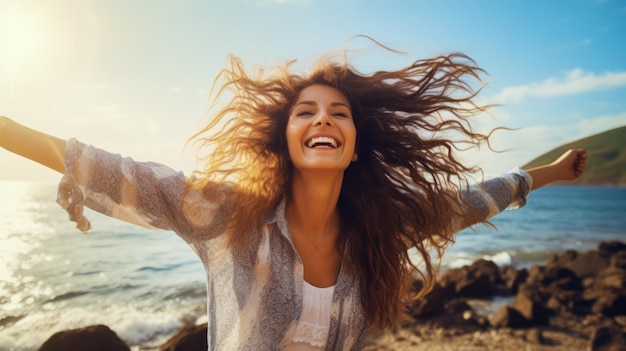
[(320, 131)]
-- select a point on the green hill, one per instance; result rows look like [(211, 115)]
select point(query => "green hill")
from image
[(606, 160)]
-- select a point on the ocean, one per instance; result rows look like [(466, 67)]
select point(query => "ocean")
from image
[(146, 284)]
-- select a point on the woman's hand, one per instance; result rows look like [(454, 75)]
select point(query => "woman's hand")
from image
[(571, 164), (568, 166)]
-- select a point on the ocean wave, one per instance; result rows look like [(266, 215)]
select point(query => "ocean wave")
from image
[(134, 324), (502, 258)]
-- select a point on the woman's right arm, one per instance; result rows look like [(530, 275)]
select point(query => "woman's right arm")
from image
[(39, 147), (148, 194)]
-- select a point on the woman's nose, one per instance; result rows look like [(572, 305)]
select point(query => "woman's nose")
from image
[(323, 119)]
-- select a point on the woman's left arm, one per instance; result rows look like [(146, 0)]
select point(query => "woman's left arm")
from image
[(488, 198), (569, 166)]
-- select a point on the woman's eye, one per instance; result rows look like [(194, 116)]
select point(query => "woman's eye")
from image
[(340, 114), (304, 113)]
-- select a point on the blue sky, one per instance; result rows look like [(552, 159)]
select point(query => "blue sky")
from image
[(132, 76)]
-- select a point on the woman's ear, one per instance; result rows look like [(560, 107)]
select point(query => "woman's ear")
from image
[(355, 157)]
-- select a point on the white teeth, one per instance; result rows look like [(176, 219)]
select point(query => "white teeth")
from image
[(322, 141)]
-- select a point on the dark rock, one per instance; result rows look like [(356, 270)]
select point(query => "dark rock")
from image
[(508, 317), (588, 264), (188, 338), (611, 247), (529, 304), (430, 305), (474, 286), (608, 339), (427, 306), (610, 304), (93, 338), (560, 278), (457, 306), (620, 320), (513, 278), (618, 260), (569, 301), (535, 336), (535, 275), (589, 282), (611, 278), (477, 280), (447, 281), (571, 285)]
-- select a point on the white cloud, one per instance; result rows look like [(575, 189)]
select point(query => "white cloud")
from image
[(524, 144), (576, 81)]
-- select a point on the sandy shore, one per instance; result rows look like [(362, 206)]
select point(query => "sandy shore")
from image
[(429, 338)]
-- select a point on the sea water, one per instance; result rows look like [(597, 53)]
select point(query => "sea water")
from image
[(146, 284)]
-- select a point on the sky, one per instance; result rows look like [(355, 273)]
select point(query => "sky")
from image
[(133, 76)]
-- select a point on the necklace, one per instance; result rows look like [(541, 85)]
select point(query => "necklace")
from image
[(319, 244), (301, 233)]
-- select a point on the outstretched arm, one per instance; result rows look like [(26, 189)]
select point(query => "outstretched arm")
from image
[(39, 147), (569, 166), (488, 198)]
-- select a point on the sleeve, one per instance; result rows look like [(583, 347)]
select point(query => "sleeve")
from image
[(143, 193), (490, 197)]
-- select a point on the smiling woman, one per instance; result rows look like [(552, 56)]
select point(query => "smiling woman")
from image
[(305, 245)]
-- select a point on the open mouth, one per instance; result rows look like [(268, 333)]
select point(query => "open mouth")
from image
[(322, 142)]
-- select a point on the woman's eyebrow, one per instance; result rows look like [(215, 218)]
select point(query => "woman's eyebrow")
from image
[(338, 103), (313, 103)]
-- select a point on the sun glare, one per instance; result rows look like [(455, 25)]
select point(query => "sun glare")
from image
[(24, 42)]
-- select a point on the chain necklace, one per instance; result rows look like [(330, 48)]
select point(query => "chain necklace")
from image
[(318, 246)]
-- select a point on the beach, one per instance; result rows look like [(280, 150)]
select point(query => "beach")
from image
[(146, 285), (575, 301)]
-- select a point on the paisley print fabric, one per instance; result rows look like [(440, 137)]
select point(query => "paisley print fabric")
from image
[(254, 293)]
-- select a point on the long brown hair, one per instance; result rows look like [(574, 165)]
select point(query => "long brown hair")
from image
[(401, 193)]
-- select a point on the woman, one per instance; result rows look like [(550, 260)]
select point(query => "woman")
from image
[(315, 189)]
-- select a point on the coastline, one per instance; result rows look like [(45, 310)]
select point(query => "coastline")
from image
[(575, 301)]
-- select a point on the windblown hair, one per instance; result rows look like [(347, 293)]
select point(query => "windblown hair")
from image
[(403, 191)]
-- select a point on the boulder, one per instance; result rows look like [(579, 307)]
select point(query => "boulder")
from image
[(618, 260), (513, 278), (610, 304), (556, 278), (93, 338), (188, 338), (586, 264), (529, 304), (427, 306), (608, 339), (477, 280), (611, 247), (611, 278), (508, 317)]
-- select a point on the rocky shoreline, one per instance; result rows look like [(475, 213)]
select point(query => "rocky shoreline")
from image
[(576, 301)]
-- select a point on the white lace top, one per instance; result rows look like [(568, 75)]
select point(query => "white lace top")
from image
[(312, 330)]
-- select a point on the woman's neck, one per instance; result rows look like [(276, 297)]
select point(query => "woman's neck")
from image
[(312, 207)]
